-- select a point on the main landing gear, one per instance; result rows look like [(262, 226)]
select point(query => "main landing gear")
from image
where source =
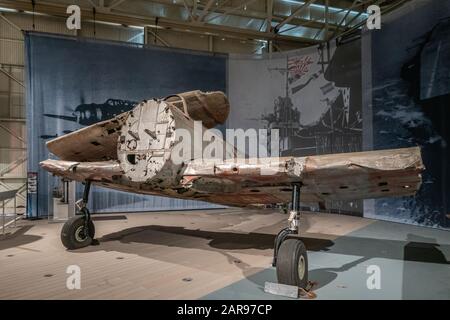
[(290, 257), (79, 231)]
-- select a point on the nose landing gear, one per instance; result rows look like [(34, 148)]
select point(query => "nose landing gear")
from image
[(290, 257), (79, 231)]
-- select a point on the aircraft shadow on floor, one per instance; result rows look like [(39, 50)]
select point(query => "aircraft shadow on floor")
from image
[(18, 238), (134, 240), (416, 248)]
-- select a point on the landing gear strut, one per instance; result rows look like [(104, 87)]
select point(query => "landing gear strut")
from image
[(79, 231), (290, 257)]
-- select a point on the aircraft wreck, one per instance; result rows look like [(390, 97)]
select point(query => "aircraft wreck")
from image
[(136, 152)]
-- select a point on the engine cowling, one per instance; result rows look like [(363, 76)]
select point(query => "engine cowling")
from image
[(149, 135), (212, 108)]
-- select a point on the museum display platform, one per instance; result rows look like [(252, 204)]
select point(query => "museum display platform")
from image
[(224, 254)]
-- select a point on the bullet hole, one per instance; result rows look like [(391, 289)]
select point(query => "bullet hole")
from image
[(131, 158)]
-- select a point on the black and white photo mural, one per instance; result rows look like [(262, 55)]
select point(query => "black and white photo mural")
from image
[(389, 89), (406, 78), (312, 96)]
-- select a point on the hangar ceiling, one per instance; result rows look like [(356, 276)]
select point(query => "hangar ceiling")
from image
[(299, 23)]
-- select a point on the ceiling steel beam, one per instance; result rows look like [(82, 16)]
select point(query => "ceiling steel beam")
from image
[(194, 8), (189, 10), (390, 7), (124, 18), (292, 16), (345, 17), (269, 8), (359, 25), (231, 32), (205, 10), (115, 4), (220, 6), (92, 3), (252, 14), (393, 6), (350, 29), (231, 10), (263, 16)]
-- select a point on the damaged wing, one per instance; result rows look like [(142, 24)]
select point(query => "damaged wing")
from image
[(346, 176), (82, 171), (97, 142)]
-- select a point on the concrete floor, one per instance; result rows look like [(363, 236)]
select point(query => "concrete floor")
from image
[(223, 254), (413, 264)]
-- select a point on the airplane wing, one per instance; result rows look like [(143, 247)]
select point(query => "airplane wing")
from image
[(97, 142), (346, 176), (248, 182)]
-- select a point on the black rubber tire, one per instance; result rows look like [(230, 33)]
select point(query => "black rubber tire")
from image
[(291, 253), (68, 233), (279, 239)]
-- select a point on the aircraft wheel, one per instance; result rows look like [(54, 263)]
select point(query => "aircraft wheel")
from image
[(73, 235), (292, 263)]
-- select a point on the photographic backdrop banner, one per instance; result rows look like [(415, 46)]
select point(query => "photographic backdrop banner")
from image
[(74, 82)]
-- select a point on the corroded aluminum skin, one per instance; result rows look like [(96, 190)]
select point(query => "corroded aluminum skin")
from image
[(348, 176), (134, 152), (81, 171), (212, 108), (147, 148), (97, 142)]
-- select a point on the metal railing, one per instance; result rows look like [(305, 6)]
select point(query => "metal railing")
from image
[(5, 195)]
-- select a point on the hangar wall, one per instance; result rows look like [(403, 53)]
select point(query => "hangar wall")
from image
[(11, 59)]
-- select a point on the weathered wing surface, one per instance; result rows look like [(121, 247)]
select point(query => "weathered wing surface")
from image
[(243, 182), (346, 176), (97, 142), (82, 171)]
